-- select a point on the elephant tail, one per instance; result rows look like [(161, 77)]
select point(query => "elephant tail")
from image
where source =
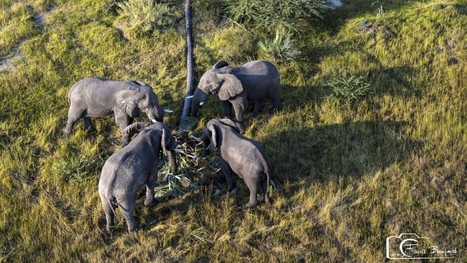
[(71, 90), (109, 199), (107, 191), (268, 181)]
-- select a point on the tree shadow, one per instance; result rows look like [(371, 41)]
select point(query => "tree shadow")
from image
[(334, 19), (391, 81), (338, 150), (394, 81)]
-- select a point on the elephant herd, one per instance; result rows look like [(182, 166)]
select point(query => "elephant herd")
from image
[(134, 166)]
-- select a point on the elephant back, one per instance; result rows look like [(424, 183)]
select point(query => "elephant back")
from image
[(259, 78)]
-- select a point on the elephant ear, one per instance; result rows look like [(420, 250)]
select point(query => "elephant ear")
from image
[(127, 102), (131, 129), (230, 123), (231, 86), (167, 141), (213, 139), (220, 64)]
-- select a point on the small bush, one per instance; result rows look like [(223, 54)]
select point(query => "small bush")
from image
[(282, 47), (265, 15), (347, 86), (78, 169), (144, 16), (233, 44)]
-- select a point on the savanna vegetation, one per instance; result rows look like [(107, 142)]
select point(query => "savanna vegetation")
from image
[(370, 142)]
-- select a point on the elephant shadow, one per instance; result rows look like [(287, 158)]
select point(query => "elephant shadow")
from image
[(338, 150)]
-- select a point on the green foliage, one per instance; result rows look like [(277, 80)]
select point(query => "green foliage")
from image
[(143, 16), (232, 44), (346, 177), (15, 25), (282, 47), (267, 15), (78, 168), (348, 86)]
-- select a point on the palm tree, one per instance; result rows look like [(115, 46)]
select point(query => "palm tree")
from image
[(187, 122)]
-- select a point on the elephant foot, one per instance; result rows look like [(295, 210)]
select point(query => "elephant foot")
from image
[(220, 179), (132, 229), (65, 135), (91, 131), (131, 233), (150, 204), (273, 110), (251, 205), (108, 229)]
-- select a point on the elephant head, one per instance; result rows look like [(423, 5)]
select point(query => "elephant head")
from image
[(213, 131), (215, 81), (167, 141), (142, 98)]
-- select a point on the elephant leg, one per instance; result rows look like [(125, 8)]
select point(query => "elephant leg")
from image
[(240, 105), (264, 186), (226, 108), (220, 179), (275, 105), (227, 174), (88, 124), (127, 207), (73, 116), (122, 119), (109, 214), (150, 201), (252, 184), (258, 107)]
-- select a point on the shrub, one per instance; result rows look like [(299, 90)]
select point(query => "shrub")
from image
[(78, 169), (233, 44), (143, 16), (265, 15), (282, 47)]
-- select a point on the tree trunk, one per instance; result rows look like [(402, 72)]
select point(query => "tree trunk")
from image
[(190, 63)]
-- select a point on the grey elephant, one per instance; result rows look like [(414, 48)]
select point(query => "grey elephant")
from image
[(96, 97), (254, 81), (132, 167), (240, 155)]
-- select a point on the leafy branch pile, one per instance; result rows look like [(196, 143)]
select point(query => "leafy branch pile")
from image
[(193, 171)]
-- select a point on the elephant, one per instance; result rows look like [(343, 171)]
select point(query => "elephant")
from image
[(96, 97), (240, 155), (254, 81), (132, 167)]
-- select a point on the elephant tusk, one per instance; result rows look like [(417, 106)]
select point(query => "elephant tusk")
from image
[(189, 97), (168, 111), (153, 120), (201, 103), (198, 139)]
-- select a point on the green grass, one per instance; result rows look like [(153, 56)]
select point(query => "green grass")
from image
[(348, 173)]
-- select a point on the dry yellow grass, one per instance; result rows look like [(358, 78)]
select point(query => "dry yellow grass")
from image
[(348, 172)]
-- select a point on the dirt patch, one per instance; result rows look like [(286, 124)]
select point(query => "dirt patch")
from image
[(8, 63)]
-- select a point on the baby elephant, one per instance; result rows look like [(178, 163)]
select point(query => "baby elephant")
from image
[(241, 155), (96, 97), (131, 168)]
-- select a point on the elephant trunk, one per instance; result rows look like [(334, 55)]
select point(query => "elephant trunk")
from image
[(199, 98), (172, 161), (155, 113)]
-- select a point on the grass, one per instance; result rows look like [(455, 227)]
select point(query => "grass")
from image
[(347, 175)]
